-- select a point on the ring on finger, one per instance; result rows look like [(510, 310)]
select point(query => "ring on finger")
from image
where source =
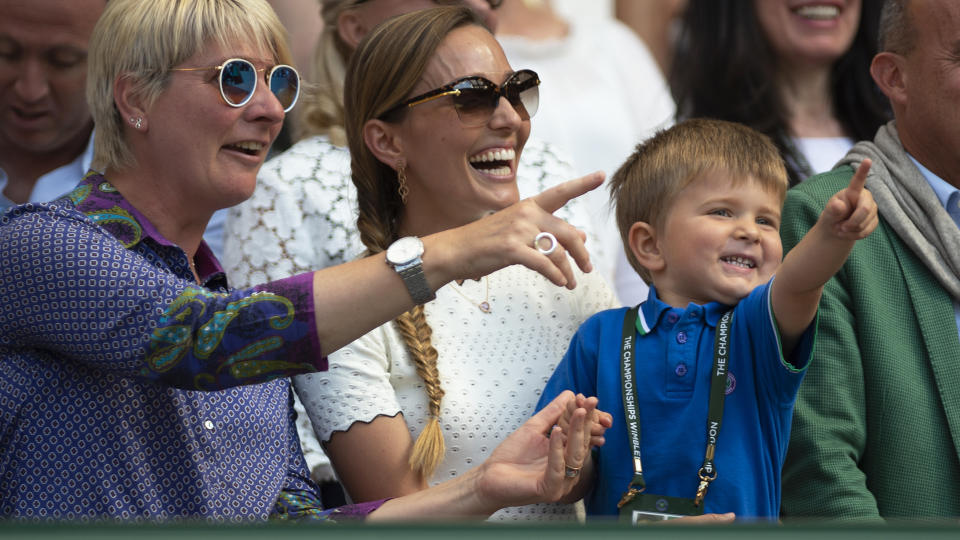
[(545, 236), (571, 472)]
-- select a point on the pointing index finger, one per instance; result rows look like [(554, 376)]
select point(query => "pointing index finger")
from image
[(552, 199), (860, 177)]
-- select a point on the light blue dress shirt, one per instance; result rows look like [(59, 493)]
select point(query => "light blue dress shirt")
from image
[(63, 179), (950, 199)]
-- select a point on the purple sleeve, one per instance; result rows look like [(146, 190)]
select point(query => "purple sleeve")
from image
[(76, 292)]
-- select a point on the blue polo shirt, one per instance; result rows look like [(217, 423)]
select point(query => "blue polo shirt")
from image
[(673, 362)]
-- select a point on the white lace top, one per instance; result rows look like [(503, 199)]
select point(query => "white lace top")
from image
[(302, 217), (492, 366)]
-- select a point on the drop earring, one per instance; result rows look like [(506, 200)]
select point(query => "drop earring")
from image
[(402, 188)]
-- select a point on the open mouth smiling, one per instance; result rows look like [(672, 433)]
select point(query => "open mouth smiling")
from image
[(818, 12), (742, 262), (248, 147), (495, 162)]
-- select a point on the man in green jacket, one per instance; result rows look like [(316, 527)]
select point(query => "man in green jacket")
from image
[(876, 432)]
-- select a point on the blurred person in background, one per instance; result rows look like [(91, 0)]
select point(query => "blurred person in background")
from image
[(798, 72), (603, 94), (46, 141)]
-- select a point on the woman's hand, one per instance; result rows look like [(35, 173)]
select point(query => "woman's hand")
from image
[(529, 466), (507, 237)]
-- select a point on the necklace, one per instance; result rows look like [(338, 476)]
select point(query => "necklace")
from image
[(482, 306), (193, 268)]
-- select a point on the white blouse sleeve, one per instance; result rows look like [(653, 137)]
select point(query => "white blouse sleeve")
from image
[(356, 388)]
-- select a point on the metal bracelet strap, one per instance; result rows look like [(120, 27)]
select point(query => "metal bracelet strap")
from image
[(718, 388)]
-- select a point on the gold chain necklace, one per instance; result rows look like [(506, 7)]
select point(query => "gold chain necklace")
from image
[(482, 306)]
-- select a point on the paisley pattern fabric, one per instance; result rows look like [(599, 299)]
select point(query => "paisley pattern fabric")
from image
[(120, 378)]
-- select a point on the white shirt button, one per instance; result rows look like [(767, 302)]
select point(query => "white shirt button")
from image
[(208, 424)]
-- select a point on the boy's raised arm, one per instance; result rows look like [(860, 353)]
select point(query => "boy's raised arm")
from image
[(850, 215)]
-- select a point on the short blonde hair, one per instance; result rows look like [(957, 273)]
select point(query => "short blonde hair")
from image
[(644, 187), (144, 40)]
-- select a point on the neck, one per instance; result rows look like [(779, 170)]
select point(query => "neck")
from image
[(533, 19), (163, 207), (805, 93), (23, 169)]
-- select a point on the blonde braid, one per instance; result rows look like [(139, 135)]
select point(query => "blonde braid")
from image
[(383, 71), (429, 448)]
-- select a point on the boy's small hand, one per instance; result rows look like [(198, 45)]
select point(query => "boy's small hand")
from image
[(598, 420), (851, 214)]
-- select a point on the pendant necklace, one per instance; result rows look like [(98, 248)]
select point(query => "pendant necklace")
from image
[(482, 306)]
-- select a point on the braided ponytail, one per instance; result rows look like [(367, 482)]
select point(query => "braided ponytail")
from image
[(383, 71)]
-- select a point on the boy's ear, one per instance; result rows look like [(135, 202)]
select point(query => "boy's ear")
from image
[(645, 247)]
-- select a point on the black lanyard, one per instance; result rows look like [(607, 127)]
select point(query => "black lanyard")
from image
[(718, 389)]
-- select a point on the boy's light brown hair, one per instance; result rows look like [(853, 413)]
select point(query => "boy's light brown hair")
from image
[(644, 187)]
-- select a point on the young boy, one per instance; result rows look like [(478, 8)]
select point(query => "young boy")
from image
[(694, 409)]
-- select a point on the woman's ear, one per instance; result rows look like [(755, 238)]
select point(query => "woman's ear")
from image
[(129, 102), (645, 247), (383, 141)]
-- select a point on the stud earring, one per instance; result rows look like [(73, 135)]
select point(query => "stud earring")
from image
[(136, 123), (402, 188)]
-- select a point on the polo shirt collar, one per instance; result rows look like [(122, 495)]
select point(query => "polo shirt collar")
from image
[(653, 310)]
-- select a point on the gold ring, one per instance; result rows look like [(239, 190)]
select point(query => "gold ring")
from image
[(571, 472)]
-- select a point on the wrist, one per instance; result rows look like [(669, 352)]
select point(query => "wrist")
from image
[(440, 261), (482, 498)]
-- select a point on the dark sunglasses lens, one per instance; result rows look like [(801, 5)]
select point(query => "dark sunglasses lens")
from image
[(476, 102), (523, 91), (285, 84), (237, 81)]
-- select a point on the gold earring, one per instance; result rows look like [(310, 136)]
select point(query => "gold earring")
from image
[(402, 188)]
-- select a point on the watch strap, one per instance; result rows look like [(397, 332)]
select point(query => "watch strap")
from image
[(417, 284)]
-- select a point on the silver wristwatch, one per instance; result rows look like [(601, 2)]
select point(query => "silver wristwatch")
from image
[(404, 256)]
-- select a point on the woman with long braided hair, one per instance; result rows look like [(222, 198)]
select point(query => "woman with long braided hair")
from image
[(436, 121)]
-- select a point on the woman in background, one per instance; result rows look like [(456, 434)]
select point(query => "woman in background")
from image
[(798, 73)]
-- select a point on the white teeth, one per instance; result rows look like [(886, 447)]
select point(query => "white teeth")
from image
[(740, 261), (494, 155), (818, 12), (499, 171), (251, 146)]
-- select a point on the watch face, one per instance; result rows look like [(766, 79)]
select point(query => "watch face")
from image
[(404, 250)]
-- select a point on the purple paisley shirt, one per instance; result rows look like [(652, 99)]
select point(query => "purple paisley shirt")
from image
[(127, 391)]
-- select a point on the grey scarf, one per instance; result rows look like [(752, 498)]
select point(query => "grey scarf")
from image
[(909, 205)]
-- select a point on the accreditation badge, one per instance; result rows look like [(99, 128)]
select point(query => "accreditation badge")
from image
[(645, 507)]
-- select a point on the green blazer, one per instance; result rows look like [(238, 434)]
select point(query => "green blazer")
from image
[(876, 429)]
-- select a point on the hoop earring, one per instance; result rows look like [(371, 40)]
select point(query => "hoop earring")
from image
[(402, 188)]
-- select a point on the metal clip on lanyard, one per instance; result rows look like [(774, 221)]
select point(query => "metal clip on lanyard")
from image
[(718, 388)]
